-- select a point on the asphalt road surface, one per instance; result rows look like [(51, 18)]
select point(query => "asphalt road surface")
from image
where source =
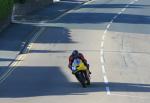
[(114, 37)]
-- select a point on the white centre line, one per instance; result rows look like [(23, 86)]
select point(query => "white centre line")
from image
[(108, 90), (105, 79), (102, 52), (103, 37), (103, 69), (102, 46), (102, 60)]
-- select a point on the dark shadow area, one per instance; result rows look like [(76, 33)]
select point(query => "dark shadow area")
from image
[(113, 6), (60, 51), (5, 59), (42, 81), (55, 35), (47, 14), (15, 38), (45, 81), (47, 51), (12, 38), (96, 18), (129, 87)]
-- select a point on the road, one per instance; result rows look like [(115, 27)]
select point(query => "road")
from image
[(114, 37)]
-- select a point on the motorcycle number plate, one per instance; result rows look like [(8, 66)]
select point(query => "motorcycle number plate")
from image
[(73, 68)]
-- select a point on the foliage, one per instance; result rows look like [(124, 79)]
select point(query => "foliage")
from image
[(5, 8)]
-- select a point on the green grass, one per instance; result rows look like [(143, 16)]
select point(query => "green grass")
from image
[(5, 8)]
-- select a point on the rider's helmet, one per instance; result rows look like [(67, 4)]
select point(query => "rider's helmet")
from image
[(75, 53)]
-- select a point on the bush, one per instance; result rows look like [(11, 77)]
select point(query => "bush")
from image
[(5, 8)]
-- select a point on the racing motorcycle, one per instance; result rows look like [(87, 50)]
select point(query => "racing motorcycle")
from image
[(81, 72)]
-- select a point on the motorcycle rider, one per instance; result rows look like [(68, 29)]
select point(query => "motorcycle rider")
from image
[(75, 54)]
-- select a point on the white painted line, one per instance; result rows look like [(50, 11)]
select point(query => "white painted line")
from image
[(102, 44), (111, 21), (108, 26), (43, 23), (132, 2), (27, 49), (102, 52), (102, 60), (119, 13), (103, 37), (105, 31), (72, 10), (108, 90), (19, 59), (103, 69), (105, 79), (123, 9), (115, 17), (11, 69)]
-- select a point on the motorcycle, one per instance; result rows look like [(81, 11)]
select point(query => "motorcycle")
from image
[(81, 72)]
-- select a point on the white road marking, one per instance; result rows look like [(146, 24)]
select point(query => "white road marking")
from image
[(103, 37), (103, 69), (27, 49), (123, 9), (105, 31), (119, 13), (12, 67), (108, 26), (102, 52), (108, 90), (20, 58), (115, 17), (132, 2), (105, 79), (102, 60), (57, 18), (102, 45)]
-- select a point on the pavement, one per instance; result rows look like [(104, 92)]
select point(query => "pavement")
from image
[(51, 12), (16, 37)]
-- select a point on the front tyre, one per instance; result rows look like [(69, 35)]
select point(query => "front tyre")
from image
[(80, 77)]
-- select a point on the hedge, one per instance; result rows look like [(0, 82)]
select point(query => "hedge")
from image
[(5, 8)]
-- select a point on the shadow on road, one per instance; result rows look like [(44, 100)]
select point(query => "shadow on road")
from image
[(55, 35), (13, 37), (96, 18), (48, 14), (44, 81), (113, 6)]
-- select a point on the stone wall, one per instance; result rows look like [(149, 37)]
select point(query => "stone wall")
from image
[(30, 6)]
